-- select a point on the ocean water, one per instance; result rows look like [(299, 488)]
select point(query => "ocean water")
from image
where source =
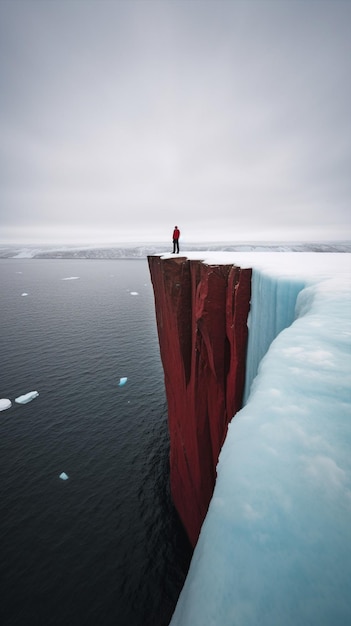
[(104, 547)]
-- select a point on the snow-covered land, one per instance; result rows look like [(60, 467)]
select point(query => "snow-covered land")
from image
[(142, 250), (275, 547)]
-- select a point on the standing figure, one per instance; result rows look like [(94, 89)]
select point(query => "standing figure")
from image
[(176, 235)]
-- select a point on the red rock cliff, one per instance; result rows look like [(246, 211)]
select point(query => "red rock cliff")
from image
[(201, 313)]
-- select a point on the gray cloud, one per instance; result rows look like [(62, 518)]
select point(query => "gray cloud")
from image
[(119, 119)]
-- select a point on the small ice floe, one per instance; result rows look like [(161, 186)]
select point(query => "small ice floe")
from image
[(63, 476), (70, 278), (27, 397), (5, 403), (122, 381), (134, 293), (24, 294)]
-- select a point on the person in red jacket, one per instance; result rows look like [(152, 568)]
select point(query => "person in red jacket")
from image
[(176, 235)]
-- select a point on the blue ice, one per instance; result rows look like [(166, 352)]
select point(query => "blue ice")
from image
[(122, 381), (63, 476), (27, 397), (275, 547)]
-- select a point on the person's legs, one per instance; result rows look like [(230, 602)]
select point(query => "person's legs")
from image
[(177, 246)]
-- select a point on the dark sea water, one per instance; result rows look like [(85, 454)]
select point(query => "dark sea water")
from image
[(104, 547)]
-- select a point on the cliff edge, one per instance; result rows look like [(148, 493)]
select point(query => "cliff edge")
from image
[(201, 314)]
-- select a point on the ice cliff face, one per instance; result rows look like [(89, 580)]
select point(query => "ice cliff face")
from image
[(201, 313)]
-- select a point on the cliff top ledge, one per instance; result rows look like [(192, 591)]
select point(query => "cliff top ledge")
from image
[(298, 264)]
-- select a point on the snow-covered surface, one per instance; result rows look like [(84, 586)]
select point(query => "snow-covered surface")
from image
[(142, 250), (302, 264), (27, 397), (26, 253), (5, 403), (275, 547)]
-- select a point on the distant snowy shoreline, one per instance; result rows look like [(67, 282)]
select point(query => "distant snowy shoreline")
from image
[(141, 251)]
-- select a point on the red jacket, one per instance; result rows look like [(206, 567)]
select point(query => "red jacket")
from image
[(176, 233)]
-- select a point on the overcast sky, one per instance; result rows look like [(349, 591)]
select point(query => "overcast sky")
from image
[(120, 119)]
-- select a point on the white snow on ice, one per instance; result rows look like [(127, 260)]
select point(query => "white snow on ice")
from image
[(275, 547), (5, 403), (26, 253), (28, 397)]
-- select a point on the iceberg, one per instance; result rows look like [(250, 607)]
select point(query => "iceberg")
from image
[(122, 381), (63, 476), (71, 278), (24, 294), (134, 293), (27, 397), (5, 404)]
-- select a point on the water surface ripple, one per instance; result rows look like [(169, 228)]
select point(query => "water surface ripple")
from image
[(104, 547)]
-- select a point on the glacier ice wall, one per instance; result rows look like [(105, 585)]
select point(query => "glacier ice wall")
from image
[(272, 310)]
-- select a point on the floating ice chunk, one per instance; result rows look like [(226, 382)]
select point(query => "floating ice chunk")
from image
[(63, 476), (122, 381), (134, 293), (27, 397), (70, 278), (24, 294), (5, 404)]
